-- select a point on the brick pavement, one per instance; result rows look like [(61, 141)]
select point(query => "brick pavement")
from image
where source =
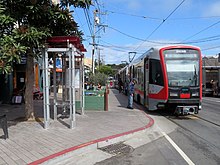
[(29, 142)]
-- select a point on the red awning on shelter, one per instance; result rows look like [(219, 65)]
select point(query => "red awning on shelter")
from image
[(62, 41)]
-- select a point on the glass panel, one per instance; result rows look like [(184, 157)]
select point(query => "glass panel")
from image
[(183, 72), (182, 67), (156, 76)]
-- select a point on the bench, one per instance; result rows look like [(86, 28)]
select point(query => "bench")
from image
[(4, 125)]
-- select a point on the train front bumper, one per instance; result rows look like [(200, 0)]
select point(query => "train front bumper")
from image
[(186, 110)]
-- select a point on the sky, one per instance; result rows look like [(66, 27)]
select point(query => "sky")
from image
[(127, 26)]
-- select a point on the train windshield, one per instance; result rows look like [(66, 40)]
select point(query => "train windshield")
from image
[(182, 67)]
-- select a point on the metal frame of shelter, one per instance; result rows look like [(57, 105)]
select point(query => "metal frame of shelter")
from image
[(72, 57)]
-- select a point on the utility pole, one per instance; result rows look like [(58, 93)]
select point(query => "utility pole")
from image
[(99, 25), (99, 58), (96, 22)]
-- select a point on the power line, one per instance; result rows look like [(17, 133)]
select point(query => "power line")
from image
[(88, 20), (125, 49), (207, 39), (82, 25), (161, 24), (134, 15), (156, 18), (113, 47), (126, 34), (202, 30), (109, 47), (98, 5), (174, 19), (165, 20), (214, 47)]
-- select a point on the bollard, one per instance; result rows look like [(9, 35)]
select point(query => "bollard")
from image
[(4, 125), (106, 101), (106, 98)]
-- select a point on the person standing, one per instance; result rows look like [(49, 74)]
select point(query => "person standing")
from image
[(120, 85), (131, 93), (99, 87)]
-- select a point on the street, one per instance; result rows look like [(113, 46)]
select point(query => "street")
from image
[(178, 140)]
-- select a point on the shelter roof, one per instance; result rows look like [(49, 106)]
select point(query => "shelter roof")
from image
[(62, 42)]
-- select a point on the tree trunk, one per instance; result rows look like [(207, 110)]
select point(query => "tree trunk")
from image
[(29, 104)]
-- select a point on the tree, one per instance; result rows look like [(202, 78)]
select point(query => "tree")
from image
[(9, 48), (98, 78), (25, 26), (106, 70)]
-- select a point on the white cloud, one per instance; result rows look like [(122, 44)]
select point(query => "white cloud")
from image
[(213, 9)]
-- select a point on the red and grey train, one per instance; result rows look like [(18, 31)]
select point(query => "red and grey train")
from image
[(168, 77)]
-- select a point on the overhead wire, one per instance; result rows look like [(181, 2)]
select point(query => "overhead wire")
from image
[(128, 35), (134, 15), (88, 20), (207, 39), (125, 49), (157, 18), (210, 48), (111, 46), (81, 25), (98, 5), (202, 30), (164, 20), (190, 18)]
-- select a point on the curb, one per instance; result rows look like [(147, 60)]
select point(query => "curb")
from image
[(95, 143)]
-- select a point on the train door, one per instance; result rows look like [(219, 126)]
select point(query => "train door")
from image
[(146, 81), (131, 71)]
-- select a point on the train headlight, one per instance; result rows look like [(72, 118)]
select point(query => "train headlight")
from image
[(173, 94), (195, 94)]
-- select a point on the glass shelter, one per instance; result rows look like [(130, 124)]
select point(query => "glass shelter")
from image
[(63, 78)]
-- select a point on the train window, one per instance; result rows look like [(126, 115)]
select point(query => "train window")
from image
[(139, 74), (155, 74), (135, 72)]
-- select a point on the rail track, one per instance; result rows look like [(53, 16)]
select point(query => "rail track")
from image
[(172, 119)]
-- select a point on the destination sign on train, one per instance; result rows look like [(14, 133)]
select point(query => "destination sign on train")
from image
[(181, 55)]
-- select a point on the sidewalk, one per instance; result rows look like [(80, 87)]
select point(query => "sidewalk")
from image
[(30, 143)]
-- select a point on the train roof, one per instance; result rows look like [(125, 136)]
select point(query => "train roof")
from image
[(175, 46), (157, 48)]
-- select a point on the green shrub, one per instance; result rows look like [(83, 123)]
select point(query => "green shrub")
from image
[(98, 78)]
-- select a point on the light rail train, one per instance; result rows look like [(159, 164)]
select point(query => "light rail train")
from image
[(169, 77)]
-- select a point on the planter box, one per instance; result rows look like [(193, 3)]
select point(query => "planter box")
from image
[(94, 100)]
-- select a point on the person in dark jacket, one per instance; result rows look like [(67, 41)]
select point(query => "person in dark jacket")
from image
[(131, 93), (120, 85)]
